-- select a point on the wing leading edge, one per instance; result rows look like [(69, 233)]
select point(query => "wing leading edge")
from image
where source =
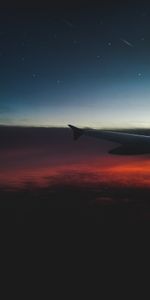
[(130, 143)]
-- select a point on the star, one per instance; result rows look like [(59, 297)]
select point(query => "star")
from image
[(140, 76), (58, 81), (109, 44), (35, 75), (75, 42)]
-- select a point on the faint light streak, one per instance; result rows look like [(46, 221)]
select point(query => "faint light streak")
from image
[(127, 42)]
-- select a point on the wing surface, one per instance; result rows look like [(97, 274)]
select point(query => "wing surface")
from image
[(112, 136)]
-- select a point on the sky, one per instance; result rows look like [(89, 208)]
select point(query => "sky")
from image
[(81, 63), (85, 63)]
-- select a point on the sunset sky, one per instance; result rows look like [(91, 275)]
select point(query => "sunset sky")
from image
[(49, 157), (86, 64), (71, 203)]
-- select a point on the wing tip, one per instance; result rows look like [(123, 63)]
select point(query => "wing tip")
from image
[(77, 132)]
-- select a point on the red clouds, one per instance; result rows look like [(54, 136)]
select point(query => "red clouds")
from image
[(49, 156), (107, 170)]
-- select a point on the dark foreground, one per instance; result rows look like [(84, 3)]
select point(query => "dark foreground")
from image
[(67, 238), (75, 215)]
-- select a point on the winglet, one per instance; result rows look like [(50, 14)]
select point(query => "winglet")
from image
[(77, 132)]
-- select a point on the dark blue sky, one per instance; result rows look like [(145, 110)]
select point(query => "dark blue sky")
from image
[(88, 64)]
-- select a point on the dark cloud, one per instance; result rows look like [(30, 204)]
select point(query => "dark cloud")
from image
[(59, 138)]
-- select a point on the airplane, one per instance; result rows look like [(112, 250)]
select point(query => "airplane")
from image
[(129, 143)]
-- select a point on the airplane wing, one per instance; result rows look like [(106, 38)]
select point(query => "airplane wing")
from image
[(130, 143)]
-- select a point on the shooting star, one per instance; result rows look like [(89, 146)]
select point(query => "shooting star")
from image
[(127, 43), (68, 23)]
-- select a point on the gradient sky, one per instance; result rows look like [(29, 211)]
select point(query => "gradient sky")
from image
[(86, 64)]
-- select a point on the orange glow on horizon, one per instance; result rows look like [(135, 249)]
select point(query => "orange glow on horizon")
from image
[(101, 170)]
